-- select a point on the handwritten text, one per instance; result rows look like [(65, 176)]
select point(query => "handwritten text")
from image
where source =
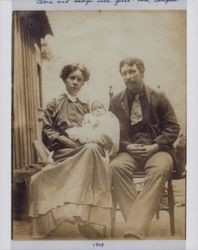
[(98, 244), (102, 2)]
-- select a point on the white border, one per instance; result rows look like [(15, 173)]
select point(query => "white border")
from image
[(192, 118), (108, 245)]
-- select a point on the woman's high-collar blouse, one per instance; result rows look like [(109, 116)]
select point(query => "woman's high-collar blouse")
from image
[(60, 114)]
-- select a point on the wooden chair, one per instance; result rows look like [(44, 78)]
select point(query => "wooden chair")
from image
[(21, 180), (167, 194)]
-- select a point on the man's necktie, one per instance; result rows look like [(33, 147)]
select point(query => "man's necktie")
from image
[(136, 111)]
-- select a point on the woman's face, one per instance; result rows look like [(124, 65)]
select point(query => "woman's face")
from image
[(74, 82)]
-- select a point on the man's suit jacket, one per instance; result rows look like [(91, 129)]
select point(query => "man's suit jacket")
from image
[(162, 122)]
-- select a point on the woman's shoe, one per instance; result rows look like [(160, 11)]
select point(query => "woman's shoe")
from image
[(89, 231), (131, 237)]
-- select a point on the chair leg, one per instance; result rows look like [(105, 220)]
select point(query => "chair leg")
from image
[(171, 207), (157, 214), (113, 218)]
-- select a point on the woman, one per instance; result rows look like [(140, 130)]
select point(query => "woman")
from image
[(77, 186)]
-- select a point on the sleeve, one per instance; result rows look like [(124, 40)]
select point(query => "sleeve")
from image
[(109, 133), (168, 124), (124, 140), (51, 136), (114, 133)]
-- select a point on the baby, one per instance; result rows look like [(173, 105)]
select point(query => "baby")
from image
[(99, 127)]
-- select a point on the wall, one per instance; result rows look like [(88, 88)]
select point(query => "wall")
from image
[(101, 39)]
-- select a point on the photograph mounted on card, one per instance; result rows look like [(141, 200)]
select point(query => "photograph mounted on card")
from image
[(99, 125)]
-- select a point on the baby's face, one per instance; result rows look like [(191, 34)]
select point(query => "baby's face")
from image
[(98, 109)]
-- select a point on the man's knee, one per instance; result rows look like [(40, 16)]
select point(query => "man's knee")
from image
[(160, 171), (116, 167), (123, 166), (119, 162), (160, 165)]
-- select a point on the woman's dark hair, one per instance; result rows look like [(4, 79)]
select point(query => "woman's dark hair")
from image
[(69, 68), (133, 61)]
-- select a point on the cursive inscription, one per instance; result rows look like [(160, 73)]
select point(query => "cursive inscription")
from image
[(103, 2), (62, 1), (85, 2), (165, 1), (45, 2), (144, 1), (121, 1)]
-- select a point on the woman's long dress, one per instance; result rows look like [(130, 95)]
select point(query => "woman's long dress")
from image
[(78, 184)]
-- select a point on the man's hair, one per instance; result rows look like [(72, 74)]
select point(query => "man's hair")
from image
[(133, 61), (69, 68)]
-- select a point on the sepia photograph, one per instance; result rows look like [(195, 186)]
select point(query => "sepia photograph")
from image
[(99, 125)]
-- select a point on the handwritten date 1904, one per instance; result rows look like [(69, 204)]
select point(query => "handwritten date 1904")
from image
[(98, 244)]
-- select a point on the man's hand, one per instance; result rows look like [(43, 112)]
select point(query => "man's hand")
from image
[(141, 151)]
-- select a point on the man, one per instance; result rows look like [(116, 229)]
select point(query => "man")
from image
[(148, 129)]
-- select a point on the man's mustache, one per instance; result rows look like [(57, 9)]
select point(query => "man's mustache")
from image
[(131, 82)]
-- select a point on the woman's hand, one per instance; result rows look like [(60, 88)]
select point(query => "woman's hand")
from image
[(68, 143), (73, 144)]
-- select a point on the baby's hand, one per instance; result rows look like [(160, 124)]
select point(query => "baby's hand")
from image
[(95, 123)]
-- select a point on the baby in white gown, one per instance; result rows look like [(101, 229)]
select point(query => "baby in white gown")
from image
[(99, 126)]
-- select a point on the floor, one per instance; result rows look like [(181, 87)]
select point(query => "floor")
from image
[(159, 230)]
